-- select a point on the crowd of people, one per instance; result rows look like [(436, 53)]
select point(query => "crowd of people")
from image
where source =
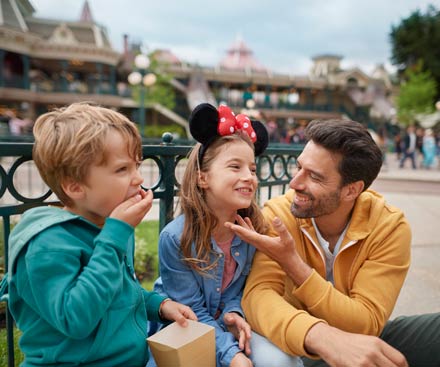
[(418, 145), (309, 280), (421, 146), (12, 124)]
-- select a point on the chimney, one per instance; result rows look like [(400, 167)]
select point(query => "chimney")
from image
[(125, 44)]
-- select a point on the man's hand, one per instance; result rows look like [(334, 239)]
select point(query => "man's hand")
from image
[(175, 311), (281, 249), (342, 349), (133, 210), (276, 248), (238, 327)]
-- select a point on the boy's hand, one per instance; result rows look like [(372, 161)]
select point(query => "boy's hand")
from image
[(175, 311), (133, 210), (238, 327)]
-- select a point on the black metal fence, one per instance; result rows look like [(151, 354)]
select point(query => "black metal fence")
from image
[(21, 187)]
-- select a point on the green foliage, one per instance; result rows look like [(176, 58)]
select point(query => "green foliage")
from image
[(418, 38), (416, 95), (156, 131), (161, 91), (4, 348), (146, 252)]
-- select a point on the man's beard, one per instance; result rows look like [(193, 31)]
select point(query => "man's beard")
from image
[(326, 204)]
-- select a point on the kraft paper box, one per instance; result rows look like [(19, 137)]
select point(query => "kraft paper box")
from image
[(177, 346)]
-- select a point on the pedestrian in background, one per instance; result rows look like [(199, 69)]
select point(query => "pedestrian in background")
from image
[(409, 147), (429, 149)]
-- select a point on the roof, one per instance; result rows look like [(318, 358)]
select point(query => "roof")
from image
[(65, 31), (166, 56), (13, 13), (327, 56), (240, 57), (19, 16)]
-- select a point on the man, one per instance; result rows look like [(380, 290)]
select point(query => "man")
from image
[(409, 147), (325, 281)]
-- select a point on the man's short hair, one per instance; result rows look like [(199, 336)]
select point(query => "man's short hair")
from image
[(70, 139), (361, 158)]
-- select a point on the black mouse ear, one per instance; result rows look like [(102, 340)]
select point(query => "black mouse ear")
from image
[(203, 123), (262, 141)]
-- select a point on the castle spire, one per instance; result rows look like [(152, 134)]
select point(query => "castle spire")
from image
[(86, 13)]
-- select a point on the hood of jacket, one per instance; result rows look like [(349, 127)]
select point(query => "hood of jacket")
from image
[(33, 222)]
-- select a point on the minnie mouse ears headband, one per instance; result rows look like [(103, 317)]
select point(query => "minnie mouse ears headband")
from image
[(207, 123)]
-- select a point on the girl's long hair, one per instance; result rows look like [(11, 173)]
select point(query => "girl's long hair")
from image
[(199, 218)]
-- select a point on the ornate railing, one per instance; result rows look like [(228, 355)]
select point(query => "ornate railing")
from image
[(21, 187)]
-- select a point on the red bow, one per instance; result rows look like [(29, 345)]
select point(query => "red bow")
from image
[(229, 123)]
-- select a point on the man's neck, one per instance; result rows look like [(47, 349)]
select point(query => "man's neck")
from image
[(331, 226)]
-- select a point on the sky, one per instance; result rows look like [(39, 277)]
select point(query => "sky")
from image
[(283, 34)]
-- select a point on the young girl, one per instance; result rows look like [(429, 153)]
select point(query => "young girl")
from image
[(202, 263)]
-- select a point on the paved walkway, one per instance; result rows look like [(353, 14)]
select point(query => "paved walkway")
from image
[(391, 170), (421, 291)]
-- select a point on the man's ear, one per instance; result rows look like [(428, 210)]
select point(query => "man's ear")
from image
[(202, 180), (353, 190), (73, 189)]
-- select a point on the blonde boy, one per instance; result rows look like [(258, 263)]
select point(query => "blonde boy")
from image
[(73, 291)]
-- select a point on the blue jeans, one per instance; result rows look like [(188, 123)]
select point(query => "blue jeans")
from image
[(416, 337), (266, 354), (410, 155)]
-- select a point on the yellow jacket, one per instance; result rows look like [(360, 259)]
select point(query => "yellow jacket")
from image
[(369, 271)]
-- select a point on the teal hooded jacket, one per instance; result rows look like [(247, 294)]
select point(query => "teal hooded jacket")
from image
[(73, 292)]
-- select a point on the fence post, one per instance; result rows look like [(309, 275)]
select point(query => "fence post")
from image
[(9, 319), (166, 206)]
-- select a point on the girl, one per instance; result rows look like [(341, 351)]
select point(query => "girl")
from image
[(202, 263)]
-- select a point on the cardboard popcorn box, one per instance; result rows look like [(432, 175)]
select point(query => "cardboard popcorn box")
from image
[(177, 346)]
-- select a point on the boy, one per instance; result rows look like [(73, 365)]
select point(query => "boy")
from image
[(73, 292)]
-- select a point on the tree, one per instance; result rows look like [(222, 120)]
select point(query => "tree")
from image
[(417, 94), (161, 91), (418, 38)]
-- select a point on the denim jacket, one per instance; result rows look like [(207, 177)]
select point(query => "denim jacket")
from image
[(203, 292)]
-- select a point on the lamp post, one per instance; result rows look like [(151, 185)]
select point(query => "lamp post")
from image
[(144, 79), (250, 109)]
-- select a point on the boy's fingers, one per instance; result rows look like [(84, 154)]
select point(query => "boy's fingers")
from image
[(149, 194), (181, 320), (146, 201), (134, 199), (189, 314)]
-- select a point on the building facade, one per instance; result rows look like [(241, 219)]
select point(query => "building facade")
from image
[(46, 63)]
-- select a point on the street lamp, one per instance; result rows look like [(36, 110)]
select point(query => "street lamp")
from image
[(250, 109), (145, 80)]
